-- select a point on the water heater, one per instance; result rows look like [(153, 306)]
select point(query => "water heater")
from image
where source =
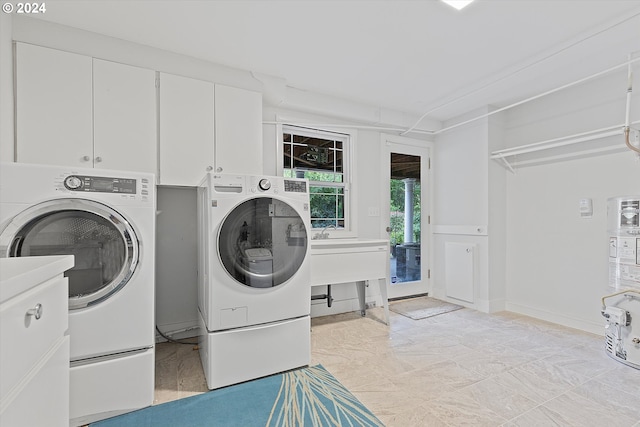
[(621, 308)]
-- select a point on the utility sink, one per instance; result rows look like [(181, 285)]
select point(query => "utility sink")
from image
[(335, 261), (348, 260)]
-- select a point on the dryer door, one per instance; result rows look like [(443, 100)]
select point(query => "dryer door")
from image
[(262, 242), (103, 242)]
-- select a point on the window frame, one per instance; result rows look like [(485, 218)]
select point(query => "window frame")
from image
[(348, 137)]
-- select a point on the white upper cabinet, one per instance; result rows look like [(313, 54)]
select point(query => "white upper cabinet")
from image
[(74, 110), (186, 130), (238, 131), (207, 127), (53, 107), (124, 117), (79, 111)]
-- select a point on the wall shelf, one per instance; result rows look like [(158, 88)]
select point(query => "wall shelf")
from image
[(595, 142)]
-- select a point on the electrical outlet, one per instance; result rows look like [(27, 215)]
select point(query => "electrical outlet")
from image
[(370, 304)]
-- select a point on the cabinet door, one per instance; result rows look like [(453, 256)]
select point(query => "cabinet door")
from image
[(186, 130), (53, 107), (124, 117), (238, 130), (44, 399)]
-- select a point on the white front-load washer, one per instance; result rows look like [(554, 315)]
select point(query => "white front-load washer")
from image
[(106, 219), (254, 293)]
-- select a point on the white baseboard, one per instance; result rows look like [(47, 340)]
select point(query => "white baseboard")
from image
[(559, 319)]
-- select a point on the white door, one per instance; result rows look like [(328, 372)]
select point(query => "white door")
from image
[(405, 186), (238, 125), (124, 117), (186, 130), (54, 107)]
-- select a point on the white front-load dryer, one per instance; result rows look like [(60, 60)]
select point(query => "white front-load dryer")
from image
[(106, 219), (254, 293)]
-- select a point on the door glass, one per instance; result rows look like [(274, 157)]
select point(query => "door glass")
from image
[(262, 242), (98, 247), (404, 202)]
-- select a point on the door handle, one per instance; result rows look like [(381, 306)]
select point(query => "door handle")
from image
[(388, 229)]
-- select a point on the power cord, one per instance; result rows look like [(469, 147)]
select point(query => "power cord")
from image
[(172, 340)]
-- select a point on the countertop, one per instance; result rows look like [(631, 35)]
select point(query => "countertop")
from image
[(325, 245), (18, 275)]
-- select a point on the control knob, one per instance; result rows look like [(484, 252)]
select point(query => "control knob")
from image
[(264, 184), (72, 182)]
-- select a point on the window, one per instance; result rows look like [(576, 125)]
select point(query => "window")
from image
[(322, 158)]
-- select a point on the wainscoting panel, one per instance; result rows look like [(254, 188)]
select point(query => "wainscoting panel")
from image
[(459, 270)]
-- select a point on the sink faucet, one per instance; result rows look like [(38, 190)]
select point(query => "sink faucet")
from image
[(323, 234)]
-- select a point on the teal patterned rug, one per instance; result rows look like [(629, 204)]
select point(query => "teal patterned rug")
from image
[(304, 397)]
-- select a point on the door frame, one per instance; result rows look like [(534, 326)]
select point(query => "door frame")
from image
[(424, 149)]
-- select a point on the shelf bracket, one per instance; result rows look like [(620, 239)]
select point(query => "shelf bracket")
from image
[(506, 163)]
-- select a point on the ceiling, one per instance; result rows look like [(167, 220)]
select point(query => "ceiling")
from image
[(416, 56)]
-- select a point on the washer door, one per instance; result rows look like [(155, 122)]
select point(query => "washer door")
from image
[(262, 242), (103, 242)]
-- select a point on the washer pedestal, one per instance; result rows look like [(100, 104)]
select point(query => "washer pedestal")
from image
[(237, 355)]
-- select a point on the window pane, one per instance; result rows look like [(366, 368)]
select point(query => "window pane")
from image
[(327, 206), (319, 157), (312, 153)]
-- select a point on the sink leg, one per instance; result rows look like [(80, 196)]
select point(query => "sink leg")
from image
[(385, 298), (360, 286)]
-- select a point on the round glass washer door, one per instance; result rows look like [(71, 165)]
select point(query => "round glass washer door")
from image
[(262, 242), (103, 243)]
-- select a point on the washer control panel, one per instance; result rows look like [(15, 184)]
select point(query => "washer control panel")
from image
[(298, 186), (100, 184)]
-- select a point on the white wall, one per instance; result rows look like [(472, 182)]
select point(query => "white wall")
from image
[(6, 89), (538, 256), (461, 206), (176, 255), (557, 261)]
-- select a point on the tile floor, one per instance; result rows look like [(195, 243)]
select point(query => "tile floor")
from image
[(462, 368)]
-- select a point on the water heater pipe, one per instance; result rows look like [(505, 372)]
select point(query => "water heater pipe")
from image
[(604, 305), (627, 128)]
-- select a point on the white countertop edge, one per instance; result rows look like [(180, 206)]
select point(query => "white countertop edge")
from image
[(18, 275)]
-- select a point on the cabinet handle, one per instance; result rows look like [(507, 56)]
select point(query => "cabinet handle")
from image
[(209, 168), (98, 159), (219, 169), (86, 158), (35, 312)]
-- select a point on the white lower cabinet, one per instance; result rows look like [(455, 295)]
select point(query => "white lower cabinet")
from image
[(34, 345), (37, 404)]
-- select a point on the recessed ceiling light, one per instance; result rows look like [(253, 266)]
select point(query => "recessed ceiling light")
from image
[(458, 4)]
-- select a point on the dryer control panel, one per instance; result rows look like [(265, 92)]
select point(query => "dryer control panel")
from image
[(100, 184)]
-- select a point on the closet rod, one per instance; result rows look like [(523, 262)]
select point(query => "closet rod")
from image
[(560, 142)]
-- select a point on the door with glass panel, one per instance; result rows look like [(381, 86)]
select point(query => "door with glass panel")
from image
[(405, 195)]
